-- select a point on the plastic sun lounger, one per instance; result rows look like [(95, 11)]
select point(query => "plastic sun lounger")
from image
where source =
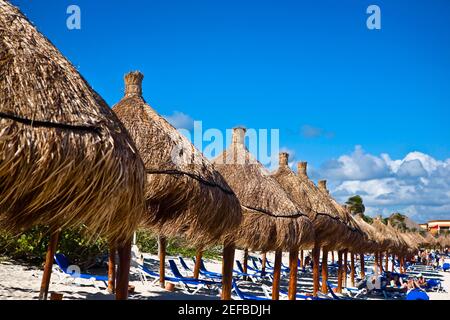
[(283, 268), (187, 283), (70, 276), (208, 274), (241, 273), (434, 285), (186, 268), (144, 272), (246, 296)]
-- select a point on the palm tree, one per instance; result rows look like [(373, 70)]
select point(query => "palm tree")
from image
[(355, 205)]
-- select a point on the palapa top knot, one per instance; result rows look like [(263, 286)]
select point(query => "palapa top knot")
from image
[(133, 83), (302, 169), (283, 159), (238, 135), (323, 185)]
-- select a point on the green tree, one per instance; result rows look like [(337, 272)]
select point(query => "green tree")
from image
[(356, 205)]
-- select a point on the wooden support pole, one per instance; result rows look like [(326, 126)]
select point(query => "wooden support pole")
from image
[(245, 262), (263, 263), (112, 270), (393, 263), (316, 262), (332, 257), (198, 261), (301, 259), (401, 264), (293, 268), (276, 275), (352, 269), (386, 262), (51, 250), (345, 268), (123, 271), (324, 271), (227, 270), (162, 261), (339, 287), (363, 271), (381, 261), (376, 262)]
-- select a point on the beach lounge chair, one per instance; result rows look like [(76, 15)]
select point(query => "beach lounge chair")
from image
[(145, 272), (185, 267), (283, 268), (67, 273), (252, 276), (245, 295), (208, 274), (190, 285), (434, 285)]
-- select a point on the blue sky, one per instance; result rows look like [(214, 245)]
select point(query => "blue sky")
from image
[(339, 93)]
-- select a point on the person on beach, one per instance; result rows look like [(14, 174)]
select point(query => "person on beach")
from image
[(397, 282)]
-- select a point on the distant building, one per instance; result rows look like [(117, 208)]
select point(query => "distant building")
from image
[(424, 226), (436, 226)]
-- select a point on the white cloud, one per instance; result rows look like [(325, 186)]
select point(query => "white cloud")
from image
[(180, 120), (309, 131), (417, 185)]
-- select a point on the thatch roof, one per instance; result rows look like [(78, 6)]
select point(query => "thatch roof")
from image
[(443, 241), (411, 240), (185, 195), (353, 236), (396, 243), (65, 158), (271, 219), (328, 226), (372, 242), (428, 240)]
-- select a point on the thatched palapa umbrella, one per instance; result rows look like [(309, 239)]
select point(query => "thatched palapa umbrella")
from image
[(396, 243), (272, 221), (328, 226), (65, 159), (351, 239), (185, 195)]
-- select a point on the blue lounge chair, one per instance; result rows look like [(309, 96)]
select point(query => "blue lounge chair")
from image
[(246, 296), (186, 268), (208, 274), (187, 283), (146, 272), (69, 274), (252, 276), (434, 285), (283, 269)]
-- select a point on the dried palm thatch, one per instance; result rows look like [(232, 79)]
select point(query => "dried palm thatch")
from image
[(185, 195), (272, 221), (411, 240), (396, 243), (353, 238), (65, 158), (372, 243), (328, 226), (428, 240), (443, 241)]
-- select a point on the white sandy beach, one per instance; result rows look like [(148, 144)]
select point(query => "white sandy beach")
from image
[(22, 282)]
